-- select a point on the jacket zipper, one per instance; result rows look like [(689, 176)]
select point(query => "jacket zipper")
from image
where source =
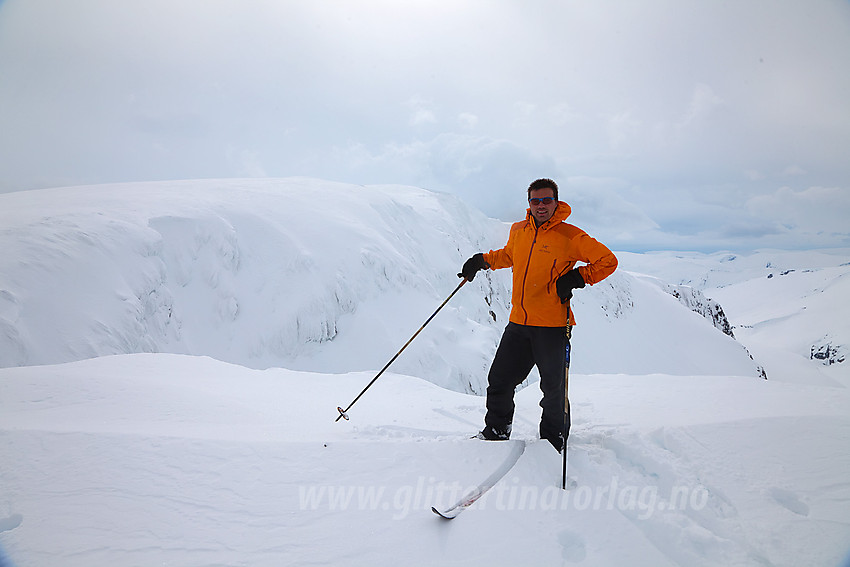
[(525, 275)]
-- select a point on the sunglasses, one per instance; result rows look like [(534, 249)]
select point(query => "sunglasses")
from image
[(544, 200)]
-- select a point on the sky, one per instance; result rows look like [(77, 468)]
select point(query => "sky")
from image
[(668, 124)]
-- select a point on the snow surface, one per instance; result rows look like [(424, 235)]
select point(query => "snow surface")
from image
[(783, 306), (299, 273), (174, 354)]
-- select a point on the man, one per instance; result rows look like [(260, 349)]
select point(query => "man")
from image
[(543, 252)]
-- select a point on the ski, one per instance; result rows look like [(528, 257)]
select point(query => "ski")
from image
[(471, 497)]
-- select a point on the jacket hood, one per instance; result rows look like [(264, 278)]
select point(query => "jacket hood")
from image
[(561, 214)]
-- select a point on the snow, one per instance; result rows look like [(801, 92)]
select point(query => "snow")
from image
[(173, 355), (299, 273), (783, 305)]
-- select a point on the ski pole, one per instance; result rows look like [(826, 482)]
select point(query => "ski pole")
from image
[(566, 446), (566, 401), (343, 413)]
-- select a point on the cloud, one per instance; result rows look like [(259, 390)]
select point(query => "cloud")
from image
[(675, 113), (561, 113), (491, 174), (246, 162), (421, 111), (467, 120), (815, 210), (622, 128), (793, 170), (703, 101), (604, 203)]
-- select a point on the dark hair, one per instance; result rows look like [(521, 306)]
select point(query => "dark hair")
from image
[(543, 184)]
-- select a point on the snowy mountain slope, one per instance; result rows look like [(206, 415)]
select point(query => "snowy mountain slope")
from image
[(789, 309), (709, 271), (298, 273), (629, 324), (805, 324), (168, 459), (694, 300), (257, 272)]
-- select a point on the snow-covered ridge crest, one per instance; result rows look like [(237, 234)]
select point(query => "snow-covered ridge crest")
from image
[(257, 272), (298, 273)]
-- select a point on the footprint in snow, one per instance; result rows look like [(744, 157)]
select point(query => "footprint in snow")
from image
[(572, 546), (789, 500), (10, 523)]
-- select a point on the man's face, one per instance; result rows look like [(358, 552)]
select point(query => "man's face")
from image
[(539, 210)]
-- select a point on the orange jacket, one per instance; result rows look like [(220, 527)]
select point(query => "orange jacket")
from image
[(539, 256)]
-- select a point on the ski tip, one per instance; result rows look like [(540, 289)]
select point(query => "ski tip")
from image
[(440, 514)]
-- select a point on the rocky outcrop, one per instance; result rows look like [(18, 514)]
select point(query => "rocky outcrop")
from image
[(697, 302), (828, 353)]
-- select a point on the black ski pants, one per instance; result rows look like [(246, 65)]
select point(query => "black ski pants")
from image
[(520, 349)]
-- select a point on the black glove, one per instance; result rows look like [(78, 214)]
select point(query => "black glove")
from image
[(567, 283), (471, 267)]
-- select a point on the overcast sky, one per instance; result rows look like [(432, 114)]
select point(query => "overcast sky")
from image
[(669, 124)]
